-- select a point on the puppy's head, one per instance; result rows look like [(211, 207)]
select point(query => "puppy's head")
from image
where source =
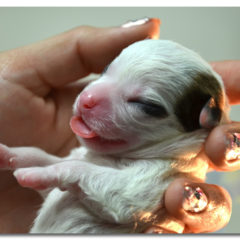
[(153, 91)]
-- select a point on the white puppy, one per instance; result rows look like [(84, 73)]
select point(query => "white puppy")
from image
[(141, 125)]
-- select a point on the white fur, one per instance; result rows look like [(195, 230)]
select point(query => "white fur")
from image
[(120, 192)]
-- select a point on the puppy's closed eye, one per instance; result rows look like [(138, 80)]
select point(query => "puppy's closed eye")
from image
[(150, 108)]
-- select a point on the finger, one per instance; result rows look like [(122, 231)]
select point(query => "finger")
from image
[(202, 207), (223, 147), (164, 223), (71, 55), (158, 230), (230, 73)]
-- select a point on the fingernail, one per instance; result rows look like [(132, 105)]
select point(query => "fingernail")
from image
[(135, 22), (156, 230), (232, 147), (194, 199)]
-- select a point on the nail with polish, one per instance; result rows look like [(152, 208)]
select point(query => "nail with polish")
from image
[(157, 230), (135, 22), (233, 147), (194, 199)]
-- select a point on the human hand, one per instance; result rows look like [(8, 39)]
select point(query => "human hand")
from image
[(36, 100), (36, 79), (220, 148)]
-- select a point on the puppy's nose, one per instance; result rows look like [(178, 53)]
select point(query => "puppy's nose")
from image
[(87, 100)]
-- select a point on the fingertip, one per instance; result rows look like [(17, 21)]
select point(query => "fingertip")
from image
[(143, 28), (155, 30), (205, 208), (173, 197), (215, 147), (158, 230), (223, 147)]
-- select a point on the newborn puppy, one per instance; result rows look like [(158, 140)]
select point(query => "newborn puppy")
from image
[(141, 125)]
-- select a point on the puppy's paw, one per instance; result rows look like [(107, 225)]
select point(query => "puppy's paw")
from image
[(6, 157), (63, 175), (34, 177)]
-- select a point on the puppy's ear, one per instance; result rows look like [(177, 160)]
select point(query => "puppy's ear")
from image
[(210, 115)]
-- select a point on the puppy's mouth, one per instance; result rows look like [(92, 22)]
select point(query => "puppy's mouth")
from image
[(80, 128), (97, 142)]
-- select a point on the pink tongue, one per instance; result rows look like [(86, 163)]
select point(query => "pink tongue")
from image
[(80, 128)]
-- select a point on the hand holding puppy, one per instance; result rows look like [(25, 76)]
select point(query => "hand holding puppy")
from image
[(36, 79)]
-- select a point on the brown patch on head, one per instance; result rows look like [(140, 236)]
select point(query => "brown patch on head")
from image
[(188, 107)]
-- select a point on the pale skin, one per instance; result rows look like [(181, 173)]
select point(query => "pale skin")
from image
[(35, 83)]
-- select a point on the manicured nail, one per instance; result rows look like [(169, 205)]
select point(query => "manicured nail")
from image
[(135, 22), (157, 230), (194, 199), (232, 147)]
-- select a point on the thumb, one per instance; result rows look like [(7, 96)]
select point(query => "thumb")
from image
[(71, 55), (107, 43)]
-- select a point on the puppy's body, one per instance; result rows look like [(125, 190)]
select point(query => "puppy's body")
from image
[(116, 194), (141, 125)]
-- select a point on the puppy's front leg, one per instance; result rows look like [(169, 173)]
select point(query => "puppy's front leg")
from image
[(20, 157), (113, 194), (64, 175)]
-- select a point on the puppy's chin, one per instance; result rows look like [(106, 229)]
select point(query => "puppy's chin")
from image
[(105, 146)]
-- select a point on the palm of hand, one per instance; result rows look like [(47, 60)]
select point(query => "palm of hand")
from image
[(31, 120), (35, 120)]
